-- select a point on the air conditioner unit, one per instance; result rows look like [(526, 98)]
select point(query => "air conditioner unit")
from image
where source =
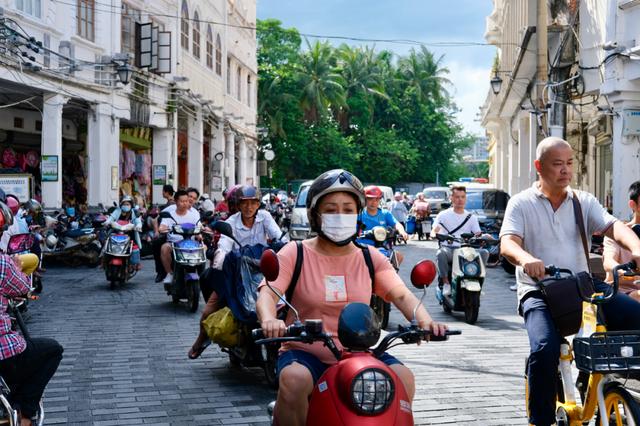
[(601, 129)]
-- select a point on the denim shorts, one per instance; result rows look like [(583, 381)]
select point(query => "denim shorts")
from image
[(314, 365)]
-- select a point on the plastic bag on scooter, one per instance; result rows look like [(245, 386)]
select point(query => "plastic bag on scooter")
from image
[(222, 328)]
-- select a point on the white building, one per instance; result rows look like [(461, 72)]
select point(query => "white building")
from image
[(187, 119), (568, 68)]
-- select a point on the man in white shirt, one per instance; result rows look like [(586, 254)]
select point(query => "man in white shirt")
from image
[(182, 214), (454, 221)]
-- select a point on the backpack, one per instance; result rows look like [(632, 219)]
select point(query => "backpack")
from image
[(298, 268)]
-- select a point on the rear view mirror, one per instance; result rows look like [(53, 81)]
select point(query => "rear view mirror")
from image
[(165, 215), (423, 274), (224, 228), (269, 265)]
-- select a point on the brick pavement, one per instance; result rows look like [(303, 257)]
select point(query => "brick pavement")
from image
[(125, 358)]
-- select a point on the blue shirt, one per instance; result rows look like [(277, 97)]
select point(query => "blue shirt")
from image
[(382, 218)]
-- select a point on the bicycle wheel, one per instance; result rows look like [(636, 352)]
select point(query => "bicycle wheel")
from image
[(621, 408)]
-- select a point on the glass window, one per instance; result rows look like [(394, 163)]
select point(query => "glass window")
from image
[(128, 28), (474, 201), (184, 26), (228, 75), (435, 195), (86, 19), (218, 56), (30, 7), (196, 35), (301, 201), (209, 47)]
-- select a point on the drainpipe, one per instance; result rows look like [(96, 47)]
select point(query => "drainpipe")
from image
[(543, 69)]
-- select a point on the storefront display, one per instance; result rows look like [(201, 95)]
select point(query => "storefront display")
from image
[(136, 164)]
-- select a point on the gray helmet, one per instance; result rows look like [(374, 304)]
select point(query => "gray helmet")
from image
[(337, 180)]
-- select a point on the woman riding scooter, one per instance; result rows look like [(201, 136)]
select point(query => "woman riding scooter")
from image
[(127, 213), (334, 273)]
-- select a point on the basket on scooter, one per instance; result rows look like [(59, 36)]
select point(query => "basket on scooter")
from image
[(189, 252), (20, 243), (610, 352)]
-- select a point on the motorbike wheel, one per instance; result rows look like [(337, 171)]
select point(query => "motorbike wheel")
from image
[(446, 308), (93, 256), (234, 360), (175, 299), (471, 306), (113, 284), (271, 366), (622, 408), (37, 285), (193, 295)]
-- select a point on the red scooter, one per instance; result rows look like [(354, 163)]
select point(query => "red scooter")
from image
[(359, 389)]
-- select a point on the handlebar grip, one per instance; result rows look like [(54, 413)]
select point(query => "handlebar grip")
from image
[(448, 333)]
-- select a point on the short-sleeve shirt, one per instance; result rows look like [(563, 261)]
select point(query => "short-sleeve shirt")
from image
[(552, 236), (192, 216), (264, 228), (449, 220), (381, 218), (326, 284), (399, 210)]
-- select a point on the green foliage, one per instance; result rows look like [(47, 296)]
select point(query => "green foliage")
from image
[(352, 107)]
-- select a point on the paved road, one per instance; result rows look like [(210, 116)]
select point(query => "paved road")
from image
[(125, 358)]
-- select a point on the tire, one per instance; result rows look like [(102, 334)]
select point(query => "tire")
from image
[(471, 306), (508, 267), (93, 256), (234, 360), (621, 407), (193, 295), (37, 285), (271, 366), (446, 308), (175, 299), (113, 284)]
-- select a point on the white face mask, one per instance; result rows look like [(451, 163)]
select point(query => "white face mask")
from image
[(339, 227)]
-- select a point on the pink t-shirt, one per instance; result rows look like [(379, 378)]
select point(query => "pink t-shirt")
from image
[(327, 284)]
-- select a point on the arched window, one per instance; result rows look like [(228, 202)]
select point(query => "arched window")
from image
[(209, 47), (239, 84), (228, 75), (184, 26), (196, 35), (249, 90), (218, 56)]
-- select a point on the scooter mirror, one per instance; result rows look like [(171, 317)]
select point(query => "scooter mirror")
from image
[(269, 265), (423, 274), (223, 227), (165, 215)]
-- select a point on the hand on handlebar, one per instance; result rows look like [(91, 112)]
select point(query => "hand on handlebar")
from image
[(534, 268), (273, 328), (436, 328)]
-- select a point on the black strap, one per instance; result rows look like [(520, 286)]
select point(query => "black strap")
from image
[(577, 211), (466, 219), (298, 268)]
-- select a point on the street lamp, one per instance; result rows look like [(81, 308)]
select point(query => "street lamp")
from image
[(496, 84), (125, 71)]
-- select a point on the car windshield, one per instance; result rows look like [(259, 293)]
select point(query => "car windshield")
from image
[(437, 195), (474, 201), (301, 201), (487, 200)]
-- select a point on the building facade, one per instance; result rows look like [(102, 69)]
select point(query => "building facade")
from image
[(86, 137), (568, 68)]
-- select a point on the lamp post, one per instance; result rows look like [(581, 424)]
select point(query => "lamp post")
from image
[(496, 83), (125, 71), (269, 155)]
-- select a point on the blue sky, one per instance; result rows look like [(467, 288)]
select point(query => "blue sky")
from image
[(426, 21)]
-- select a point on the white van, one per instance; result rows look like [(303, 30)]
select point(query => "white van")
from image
[(300, 228), (387, 196)]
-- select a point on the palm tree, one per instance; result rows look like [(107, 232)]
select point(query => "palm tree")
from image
[(322, 86), (361, 71), (425, 74)]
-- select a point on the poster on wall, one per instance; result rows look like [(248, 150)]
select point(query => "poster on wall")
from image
[(115, 183), (18, 185), (49, 168), (159, 174), (216, 183)]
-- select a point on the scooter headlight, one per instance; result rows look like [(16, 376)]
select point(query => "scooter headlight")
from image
[(379, 233), (471, 269), (372, 391)]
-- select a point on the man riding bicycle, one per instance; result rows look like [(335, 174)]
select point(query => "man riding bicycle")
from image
[(455, 221), (539, 229)]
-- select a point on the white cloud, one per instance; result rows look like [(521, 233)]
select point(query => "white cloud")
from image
[(470, 87)]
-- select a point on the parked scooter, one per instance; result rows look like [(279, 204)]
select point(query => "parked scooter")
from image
[(381, 238), (466, 276), (116, 259), (70, 246), (189, 259), (241, 300), (359, 389)]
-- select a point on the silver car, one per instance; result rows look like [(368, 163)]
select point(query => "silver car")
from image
[(435, 196)]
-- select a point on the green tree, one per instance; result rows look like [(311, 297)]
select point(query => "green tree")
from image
[(426, 74), (384, 157)]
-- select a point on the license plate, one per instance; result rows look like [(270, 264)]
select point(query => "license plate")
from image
[(471, 285)]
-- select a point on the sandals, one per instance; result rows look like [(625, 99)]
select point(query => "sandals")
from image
[(195, 353)]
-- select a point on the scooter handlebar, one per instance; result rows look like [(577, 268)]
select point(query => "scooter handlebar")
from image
[(442, 338)]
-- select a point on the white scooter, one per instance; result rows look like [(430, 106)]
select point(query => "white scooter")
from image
[(466, 276)]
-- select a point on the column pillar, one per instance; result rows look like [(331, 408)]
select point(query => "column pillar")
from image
[(164, 154), (195, 155), (242, 161), (51, 144), (103, 151), (533, 145), (230, 155), (218, 182)]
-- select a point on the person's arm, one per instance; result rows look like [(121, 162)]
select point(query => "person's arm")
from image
[(511, 248), (406, 302), (624, 236), (13, 282), (436, 228), (267, 314), (273, 230), (610, 255)]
